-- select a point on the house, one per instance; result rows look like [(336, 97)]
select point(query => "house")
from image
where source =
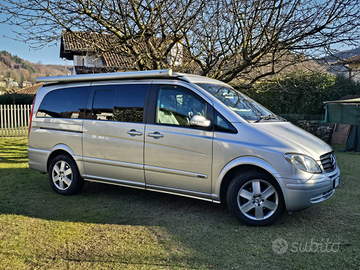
[(352, 65), (81, 48), (3, 84), (30, 90), (26, 84), (12, 84)]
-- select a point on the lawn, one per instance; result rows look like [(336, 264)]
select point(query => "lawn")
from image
[(110, 227)]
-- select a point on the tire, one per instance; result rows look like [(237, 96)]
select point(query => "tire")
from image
[(64, 175), (255, 198)]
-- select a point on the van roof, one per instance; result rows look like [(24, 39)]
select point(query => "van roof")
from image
[(148, 74)]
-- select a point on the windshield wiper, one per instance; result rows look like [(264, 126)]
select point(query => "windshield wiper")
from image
[(266, 117)]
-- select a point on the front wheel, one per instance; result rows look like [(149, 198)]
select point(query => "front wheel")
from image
[(255, 198), (64, 175)]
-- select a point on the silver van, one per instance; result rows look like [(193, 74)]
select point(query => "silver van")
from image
[(180, 134)]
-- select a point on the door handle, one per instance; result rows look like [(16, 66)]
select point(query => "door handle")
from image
[(155, 135), (134, 132)]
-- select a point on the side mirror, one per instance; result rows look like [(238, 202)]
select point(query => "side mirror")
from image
[(199, 121)]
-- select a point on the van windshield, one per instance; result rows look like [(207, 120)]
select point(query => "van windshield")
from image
[(244, 106)]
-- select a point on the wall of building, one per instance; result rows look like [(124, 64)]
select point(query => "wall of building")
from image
[(90, 60)]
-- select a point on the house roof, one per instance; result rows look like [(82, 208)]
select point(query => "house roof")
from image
[(347, 99), (30, 90), (351, 60), (85, 42), (79, 43), (355, 59)]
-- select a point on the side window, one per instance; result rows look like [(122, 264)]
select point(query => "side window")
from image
[(176, 105), (64, 103), (103, 105), (124, 103), (223, 125), (129, 104)]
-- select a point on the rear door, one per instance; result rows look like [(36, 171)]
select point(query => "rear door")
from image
[(113, 141), (178, 157)]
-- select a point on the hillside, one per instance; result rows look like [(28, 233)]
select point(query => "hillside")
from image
[(19, 70)]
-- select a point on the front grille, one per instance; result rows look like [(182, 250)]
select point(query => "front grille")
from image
[(328, 161)]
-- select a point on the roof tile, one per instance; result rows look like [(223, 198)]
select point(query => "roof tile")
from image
[(30, 90), (77, 42)]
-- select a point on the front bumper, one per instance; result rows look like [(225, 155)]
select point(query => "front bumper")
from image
[(300, 195)]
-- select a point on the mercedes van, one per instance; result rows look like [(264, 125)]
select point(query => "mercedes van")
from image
[(179, 134)]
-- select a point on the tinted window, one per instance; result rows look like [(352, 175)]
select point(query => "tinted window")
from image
[(129, 105), (64, 103), (124, 103), (103, 105), (223, 125), (176, 105)]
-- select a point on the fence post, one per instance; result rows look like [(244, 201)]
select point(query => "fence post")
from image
[(17, 122), (7, 128), (29, 107), (2, 120), (11, 111)]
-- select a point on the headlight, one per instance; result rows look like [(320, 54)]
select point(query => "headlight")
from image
[(303, 162)]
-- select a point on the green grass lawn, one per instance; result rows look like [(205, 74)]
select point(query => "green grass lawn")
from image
[(110, 227)]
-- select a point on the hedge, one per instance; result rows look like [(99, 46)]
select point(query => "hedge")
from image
[(302, 93), (16, 99)]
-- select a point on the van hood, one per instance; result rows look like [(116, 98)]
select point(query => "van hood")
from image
[(299, 138)]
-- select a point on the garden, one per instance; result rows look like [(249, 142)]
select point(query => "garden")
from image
[(110, 227)]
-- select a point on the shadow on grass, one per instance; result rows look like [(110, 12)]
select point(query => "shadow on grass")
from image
[(13, 151), (26, 192)]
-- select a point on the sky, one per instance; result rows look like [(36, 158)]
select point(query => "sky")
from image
[(47, 55)]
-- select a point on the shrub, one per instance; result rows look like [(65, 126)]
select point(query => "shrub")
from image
[(302, 93), (16, 99)]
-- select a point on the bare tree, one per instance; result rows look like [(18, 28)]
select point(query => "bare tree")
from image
[(246, 40), (253, 39), (146, 30)]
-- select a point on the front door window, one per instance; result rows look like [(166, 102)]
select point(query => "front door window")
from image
[(176, 105)]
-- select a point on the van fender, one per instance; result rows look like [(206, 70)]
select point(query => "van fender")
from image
[(242, 161), (78, 159)]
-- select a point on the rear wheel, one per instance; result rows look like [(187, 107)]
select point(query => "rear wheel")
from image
[(255, 198), (64, 175)]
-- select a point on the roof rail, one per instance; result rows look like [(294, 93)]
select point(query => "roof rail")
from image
[(108, 76)]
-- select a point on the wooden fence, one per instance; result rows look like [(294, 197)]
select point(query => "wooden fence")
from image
[(14, 120)]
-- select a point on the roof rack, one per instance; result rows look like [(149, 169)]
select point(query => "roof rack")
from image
[(109, 76)]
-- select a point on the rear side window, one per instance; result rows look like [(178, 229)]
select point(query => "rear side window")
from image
[(123, 103), (64, 103)]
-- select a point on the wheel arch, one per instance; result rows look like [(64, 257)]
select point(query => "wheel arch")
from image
[(240, 165), (62, 149)]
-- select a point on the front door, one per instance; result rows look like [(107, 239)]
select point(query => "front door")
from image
[(178, 157)]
